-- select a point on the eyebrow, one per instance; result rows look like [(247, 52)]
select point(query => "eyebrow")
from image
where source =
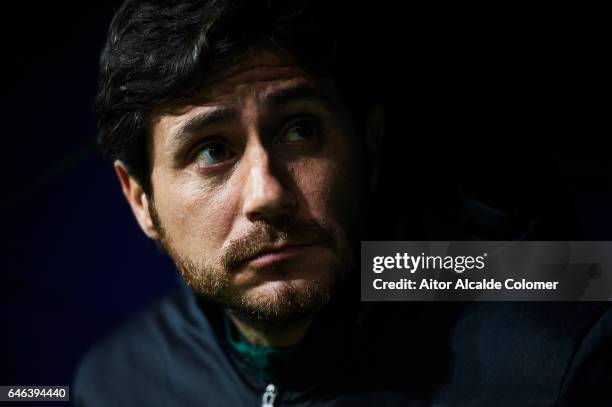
[(207, 118), (273, 101), (276, 100)]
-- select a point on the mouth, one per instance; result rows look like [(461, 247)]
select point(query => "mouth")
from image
[(270, 256)]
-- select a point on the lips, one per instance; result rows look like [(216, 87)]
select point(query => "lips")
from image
[(271, 255)]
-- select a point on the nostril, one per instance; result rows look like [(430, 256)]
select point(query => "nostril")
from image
[(266, 198), (270, 206)]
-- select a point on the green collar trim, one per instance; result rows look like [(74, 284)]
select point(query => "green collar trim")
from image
[(270, 363)]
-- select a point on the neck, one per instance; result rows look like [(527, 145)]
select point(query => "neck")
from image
[(261, 334)]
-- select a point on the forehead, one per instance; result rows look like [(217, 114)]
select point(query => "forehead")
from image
[(262, 70), (255, 77), (266, 80)]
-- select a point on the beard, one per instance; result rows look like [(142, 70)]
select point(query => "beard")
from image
[(289, 300)]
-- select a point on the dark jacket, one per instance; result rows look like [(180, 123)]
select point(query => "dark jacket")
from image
[(362, 354)]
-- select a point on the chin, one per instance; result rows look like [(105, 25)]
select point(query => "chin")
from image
[(284, 300)]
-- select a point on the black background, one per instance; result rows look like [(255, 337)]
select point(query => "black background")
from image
[(507, 103)]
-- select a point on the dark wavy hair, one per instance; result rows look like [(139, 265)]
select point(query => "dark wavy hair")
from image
[(159, 51)]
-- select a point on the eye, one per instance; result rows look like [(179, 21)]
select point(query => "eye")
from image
[(301, 130), (213, 153)]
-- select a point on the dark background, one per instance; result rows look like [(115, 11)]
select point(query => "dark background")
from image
[(498, 117)]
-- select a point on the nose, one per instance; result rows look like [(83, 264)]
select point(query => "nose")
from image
[(265, 196)]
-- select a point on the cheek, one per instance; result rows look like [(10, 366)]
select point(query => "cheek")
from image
[(196, 219), (326, 188)]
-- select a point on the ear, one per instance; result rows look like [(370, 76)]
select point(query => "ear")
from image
[(374, 133), (138, 200)]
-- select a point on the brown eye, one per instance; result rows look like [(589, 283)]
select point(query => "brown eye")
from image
[(213, 153)]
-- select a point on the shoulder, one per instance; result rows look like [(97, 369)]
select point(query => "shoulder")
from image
[(589, 377), (518, 351), (138, 356), (528, 323)]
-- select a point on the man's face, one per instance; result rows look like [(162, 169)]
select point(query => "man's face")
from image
[(255, 188)]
